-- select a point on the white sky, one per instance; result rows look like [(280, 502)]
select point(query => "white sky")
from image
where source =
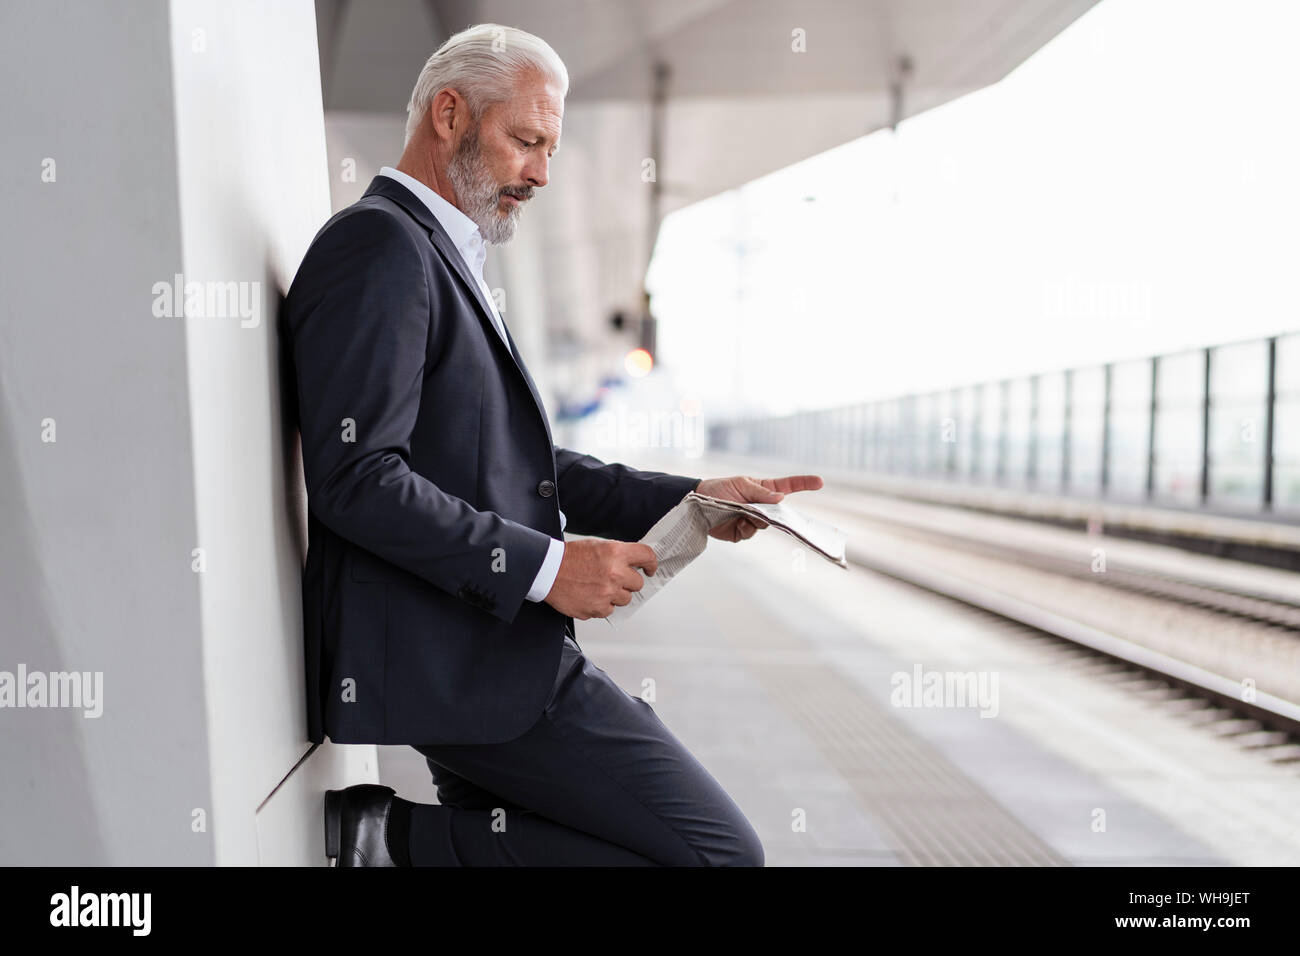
[(1133, 188)]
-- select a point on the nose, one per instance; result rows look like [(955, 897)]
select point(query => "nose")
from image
[(535, 172)]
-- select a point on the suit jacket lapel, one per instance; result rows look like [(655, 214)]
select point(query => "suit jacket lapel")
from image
[(395, 191)]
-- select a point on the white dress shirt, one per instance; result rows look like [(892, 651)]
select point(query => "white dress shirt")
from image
[(467, 239)]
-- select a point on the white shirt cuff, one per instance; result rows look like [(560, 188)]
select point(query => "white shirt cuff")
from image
[(549, 569)]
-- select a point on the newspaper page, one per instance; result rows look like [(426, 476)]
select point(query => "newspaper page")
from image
[(680, 536)]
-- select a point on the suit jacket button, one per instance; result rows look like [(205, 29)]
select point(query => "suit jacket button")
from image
[(546, 488)]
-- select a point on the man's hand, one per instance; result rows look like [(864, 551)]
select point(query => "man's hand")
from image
[(597, 575), (761, 490)]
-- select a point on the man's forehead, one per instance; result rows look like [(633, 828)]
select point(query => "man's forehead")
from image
[(536, 112)]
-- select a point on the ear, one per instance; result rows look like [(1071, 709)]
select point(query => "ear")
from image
[(448, 112)]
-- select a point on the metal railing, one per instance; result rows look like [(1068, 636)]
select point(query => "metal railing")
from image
[(1215, 428)]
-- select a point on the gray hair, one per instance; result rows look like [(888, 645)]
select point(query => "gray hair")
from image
[(481, 64)]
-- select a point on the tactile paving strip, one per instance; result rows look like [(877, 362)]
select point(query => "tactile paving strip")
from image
[(935, 815)]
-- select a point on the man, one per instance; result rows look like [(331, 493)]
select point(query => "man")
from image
[(439, 592)]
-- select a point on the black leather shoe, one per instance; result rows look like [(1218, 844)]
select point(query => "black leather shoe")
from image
[(356, 825)]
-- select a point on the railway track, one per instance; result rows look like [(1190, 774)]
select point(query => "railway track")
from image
[(1235, 637), (1248, 604)]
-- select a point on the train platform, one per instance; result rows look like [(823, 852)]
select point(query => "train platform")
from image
[(797, 684)]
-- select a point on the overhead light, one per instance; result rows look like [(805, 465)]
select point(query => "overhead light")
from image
[(638, 363)]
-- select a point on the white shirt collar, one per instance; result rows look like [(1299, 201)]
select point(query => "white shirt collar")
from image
[(462, 230)]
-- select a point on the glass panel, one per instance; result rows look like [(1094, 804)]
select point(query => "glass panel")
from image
[(821, 436), (815, 444), (1238, 410), (733, 438), (925, 439), (946, 433), (964, 440), (843, 443), (1087, 419), (853, 436), (891, 446), (869, 436), (936, 450), (990, 431), (1019, 404), (840, 419), (849, 418), (913, 412), (1130, 426), (1049, 432), (1179, 408), (1286, 426)]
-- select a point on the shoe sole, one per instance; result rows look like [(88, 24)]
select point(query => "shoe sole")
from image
[(333, 824)]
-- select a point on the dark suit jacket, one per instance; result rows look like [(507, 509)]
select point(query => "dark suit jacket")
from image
[(433, 488)]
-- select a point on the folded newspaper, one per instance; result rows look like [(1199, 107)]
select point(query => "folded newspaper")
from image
[(679, 537)]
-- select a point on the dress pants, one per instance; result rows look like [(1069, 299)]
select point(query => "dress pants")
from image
[(597, 781)]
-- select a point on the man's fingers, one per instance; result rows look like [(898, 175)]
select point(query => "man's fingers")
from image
[(642, 556), (793, 483), (629, 579), (762, 491)]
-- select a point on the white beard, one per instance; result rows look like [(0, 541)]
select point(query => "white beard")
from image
[(479, 195)]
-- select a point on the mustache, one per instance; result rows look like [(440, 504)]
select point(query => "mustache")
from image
[(519, 192)]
